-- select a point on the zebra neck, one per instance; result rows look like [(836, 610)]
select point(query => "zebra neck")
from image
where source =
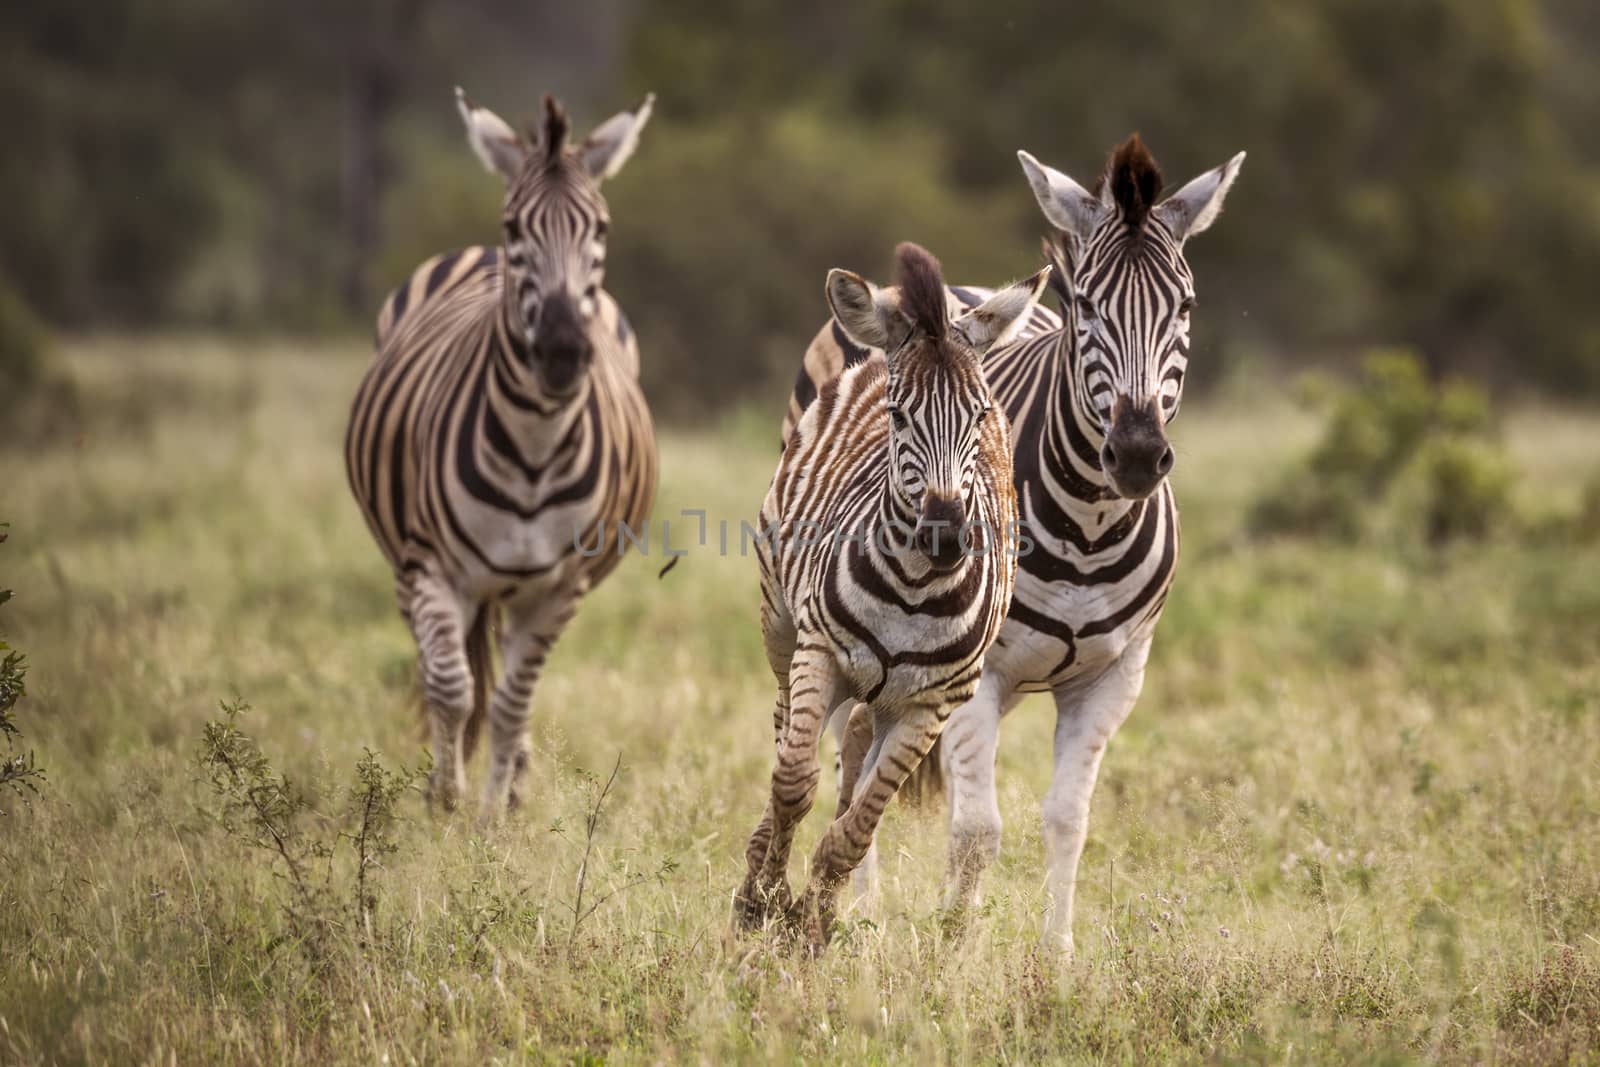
[(1071, 443), (522, 418)]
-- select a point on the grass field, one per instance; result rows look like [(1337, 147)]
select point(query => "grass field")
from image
[(1355, 817)]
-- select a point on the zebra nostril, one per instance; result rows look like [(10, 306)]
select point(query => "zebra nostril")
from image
[(1108, 457), (1164, 464)]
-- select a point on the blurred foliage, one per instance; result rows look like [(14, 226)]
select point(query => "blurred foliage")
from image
[(1420, 174), (22, 346), (1398, 455)]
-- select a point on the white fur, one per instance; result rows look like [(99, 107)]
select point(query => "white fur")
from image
[(606, 149), (1069, 206), (998, 318), (495, 142), (1195, 207), (870, 316)]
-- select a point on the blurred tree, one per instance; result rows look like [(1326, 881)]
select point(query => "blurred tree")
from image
[(1421, 174)]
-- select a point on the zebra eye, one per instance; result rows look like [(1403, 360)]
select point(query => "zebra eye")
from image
[(1187, 306), (898, 417), (1086, 308)]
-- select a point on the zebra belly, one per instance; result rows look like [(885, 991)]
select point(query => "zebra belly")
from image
[(1036, 660), (515, 556)]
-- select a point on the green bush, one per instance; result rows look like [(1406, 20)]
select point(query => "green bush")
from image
[(1466, 487), (1398, 453), (22, 348), (19, 774)]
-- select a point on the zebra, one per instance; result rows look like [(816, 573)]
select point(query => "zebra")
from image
[(500, 418), (886, 565), (1089, 395)]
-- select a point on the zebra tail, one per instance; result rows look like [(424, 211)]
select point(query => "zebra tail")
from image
[(480, 659), (923, 789)]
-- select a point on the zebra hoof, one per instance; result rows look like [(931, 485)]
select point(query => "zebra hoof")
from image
[(755, 904), (810, 921), (441, 797)]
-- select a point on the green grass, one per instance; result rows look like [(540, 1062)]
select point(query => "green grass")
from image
[(1355, 817)]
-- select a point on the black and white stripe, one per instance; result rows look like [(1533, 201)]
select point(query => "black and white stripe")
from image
[(889, 566), (500, 428), (1088, 394)]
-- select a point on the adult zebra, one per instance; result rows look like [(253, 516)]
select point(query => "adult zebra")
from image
[(1088, 397), (887, 564), (502, 417)]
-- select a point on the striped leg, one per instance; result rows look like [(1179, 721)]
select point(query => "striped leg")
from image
[(903, 744), (1086, 718), (852, 727), (970, 746), (808, 693), (438, 618), (532, 627)]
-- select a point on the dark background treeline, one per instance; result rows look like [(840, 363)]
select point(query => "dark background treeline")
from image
[(1424, 173)]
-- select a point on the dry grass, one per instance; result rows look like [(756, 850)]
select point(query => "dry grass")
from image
[(1354, 818)]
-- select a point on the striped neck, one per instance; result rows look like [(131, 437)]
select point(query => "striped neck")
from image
[(532, 425), (1071, 443)]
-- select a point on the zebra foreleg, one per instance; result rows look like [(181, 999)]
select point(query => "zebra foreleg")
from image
[(1086, 718), (812, 682), (438, 622), (905, 743), (531, 629)]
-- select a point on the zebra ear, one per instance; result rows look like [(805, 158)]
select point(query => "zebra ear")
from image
[(869, 316), (606, 149), (998, 318), (1069, 206), (1195, 207), (497, 144)]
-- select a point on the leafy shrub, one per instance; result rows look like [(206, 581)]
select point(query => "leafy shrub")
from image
[(1465, 488), (19, 774), (1588, 527), (263, 808), (1397, 452)]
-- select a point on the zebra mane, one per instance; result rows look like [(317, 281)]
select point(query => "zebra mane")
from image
[(550, 135), (1135, 180), (921, 282), (1058, 256)]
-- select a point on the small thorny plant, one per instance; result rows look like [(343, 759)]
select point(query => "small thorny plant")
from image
[(586, 898), (263, 808), (19, 774)]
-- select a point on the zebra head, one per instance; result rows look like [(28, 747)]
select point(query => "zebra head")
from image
[(936, 399), (555, 224), (1132, 292)]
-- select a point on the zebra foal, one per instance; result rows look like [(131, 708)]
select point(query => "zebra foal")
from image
[(501, 416), (1088, 396), (886, 565)]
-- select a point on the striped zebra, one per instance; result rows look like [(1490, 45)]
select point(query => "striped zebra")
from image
[(1088, 395), (886, 560), (501, 418)]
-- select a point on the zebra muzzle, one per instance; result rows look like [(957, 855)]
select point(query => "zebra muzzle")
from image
[(1136, 455), (939, 530)]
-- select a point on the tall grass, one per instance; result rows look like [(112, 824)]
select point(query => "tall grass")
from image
[(1353, 818)]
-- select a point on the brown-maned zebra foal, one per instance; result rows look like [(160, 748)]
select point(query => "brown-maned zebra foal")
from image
[(887, 556), (500, 438)]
